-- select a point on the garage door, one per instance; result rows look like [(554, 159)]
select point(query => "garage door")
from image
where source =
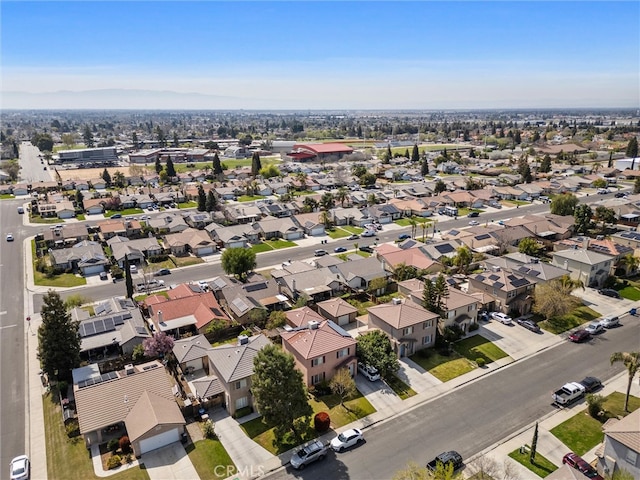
[(158, 441), (343, 320), (205, 251), (93, 269)]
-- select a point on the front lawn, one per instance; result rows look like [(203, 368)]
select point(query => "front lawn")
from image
[(541, 466), (39, 219), (62, 280), (352, 230), (582, 432), (442, 367), (186, 261), (261, 247), (400, 388), (630, 292), (479, 347), (354, 409), (249, 198), (210, 459), (126, 211), (571, 320), (279, 243), (338, 232), (6, 196), (190, 204), (67, 458), (406, 222)]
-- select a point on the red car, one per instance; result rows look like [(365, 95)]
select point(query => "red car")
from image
[(580, 336), (579, 464)]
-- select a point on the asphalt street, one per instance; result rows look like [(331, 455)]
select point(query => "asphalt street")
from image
[(33, 170), (477, 415)]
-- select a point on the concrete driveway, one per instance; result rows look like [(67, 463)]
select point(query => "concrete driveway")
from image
[(378, 393), (516, 341), (169, 463), (415, 376), (602, 304)]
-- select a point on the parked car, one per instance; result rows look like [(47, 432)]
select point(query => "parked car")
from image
[(609, 292), (474, 223), (473, 214), (368, 233), (378, 226), (502, 318), (580, 336), (569, 393), (366, 249), (620, 194), (610, 321), (9, 237), (403, 236), (594, 328), (591, 384), (320, 253), (311, 452), (446, 458), (340, 249), (20, 210), (603, 191), (369, 372), (347, 439), (19, 468), (104, 275), (574, 461), (116, 215), (353, 237), (133, 269), (529, 325), (162, 272)]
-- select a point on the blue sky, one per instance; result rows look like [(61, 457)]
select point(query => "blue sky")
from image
[(316, 55)]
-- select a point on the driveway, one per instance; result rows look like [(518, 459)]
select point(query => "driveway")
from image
[(415, 376), (516, 341), (378, 393), (168, 463), (602, 304)]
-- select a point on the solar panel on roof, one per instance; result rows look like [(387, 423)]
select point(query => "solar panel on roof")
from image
[(141, 330), (99, 326), (99, 309), (109, 324), (89, 329), (481, 278), (240, 305), (444, 248), (493, 277), (483, 236), (498, 285), (519, 282), (252, 287), (454, 232)]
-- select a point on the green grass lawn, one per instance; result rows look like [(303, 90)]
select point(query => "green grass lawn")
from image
[(630, 292), (478, 346), (354, 409), (405, 222), (231, 163), (400, 388), (210, 459), (582, 432), (574, 319), (261, 247), (186, 261), (541, 467), (361, 306), (352, 230), (67, 458), (80, 217), (442, 367), (39, 219), (249, 198), (62, 280), (279, 243), (126, 211), (190, 204), (140, 298), (6, 196), (338, 232)]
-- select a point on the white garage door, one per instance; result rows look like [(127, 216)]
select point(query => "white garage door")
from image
[(205, 251), (93, 269), (343, 320), (158, 441)]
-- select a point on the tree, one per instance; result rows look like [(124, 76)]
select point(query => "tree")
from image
[(176, 142), (415, 153), (632, 151), (424, 167), (599, 183), (325, 218), (170, 169), (270, 171), (582, 215), (404, 272), (374, 348), (564, 204), (119, 179), (545, 165), (239, 262), (212, 201), (377, 286), (106, 177), (158, 345), (217, 166), (134, 140), (343, 385), (309, 204), (631, 361), (529, 246), (79, 200), (258, 316), (279, 392), (439, 187), (327, 202), (441, 292), (256, 164), (368, 179), (87, 136), (358, 170), (553, 299), (342, 195), (413, 471), (429, 299), (202, 199), (158, 165), (128, 280), (162, 141), (58, 338), (43, 141), (605, 215), (636, 186), (534, 445), (463, 258), (277, 318)]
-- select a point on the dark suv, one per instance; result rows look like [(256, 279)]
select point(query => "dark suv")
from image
[(609, 292)]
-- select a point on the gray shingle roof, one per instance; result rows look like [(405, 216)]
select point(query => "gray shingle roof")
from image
[(235, 362)]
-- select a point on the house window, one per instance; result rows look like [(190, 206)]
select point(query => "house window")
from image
[(407, 331), (342, 353), (241, 384), (427, 325), (242, 402), (631, 457), (470, 308), (426, 340), (317, 361), (451, 314), (317, 378)]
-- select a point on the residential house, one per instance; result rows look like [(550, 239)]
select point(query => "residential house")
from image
[(531, 267), (242, 214), (438, 250), (235, 236), (509, 291), (409, 326), (168, 223), (591, 268), (198, 220), (338, 311), (135, 250), (348, 216), (393, 256), (284, 228), (121, 227), (98, 183), (621, 447), (85, 256), (259, 294), (139, 398), (310, 223), (59, 236), (20, 189), (357, 275), (385, 213), (192, 241), (320, 350), (315, 285), (300, 317)]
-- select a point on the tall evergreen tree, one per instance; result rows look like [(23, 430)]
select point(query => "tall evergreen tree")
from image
[(442, 292), (171, 171), (217, 166), (87, 136), (134, 140), (158, 165), (424, 167), (128, 280), (202, 199), (545, 165), (212, 201), (58, 338), (256, 164), (106, 177), (632, 151), (415, 153), (176, 142), (79, 200)]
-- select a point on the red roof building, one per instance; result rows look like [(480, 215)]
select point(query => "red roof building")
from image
[(319, 151)]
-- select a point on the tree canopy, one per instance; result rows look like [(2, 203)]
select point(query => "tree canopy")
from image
[(582, 215), (529, 246), (279, 392), (158, 345), (170, 169), (238, 262), (564, 204), (58, 338), (374, 348)]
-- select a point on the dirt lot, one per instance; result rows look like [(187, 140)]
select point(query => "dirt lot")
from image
[(89, 173)]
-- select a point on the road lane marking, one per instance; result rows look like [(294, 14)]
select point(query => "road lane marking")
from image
[(3, 313), (9, 326)]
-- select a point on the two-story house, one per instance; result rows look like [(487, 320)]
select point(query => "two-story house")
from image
[(508, 291), (621, 447), (591, 268)]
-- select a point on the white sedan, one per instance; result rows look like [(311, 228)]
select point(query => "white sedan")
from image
[(502, 318), (347, 439), (19, 468), (474, 223), (9, 237)]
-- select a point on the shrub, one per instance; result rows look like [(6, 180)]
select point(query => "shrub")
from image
[(113, 445), (594, 403), (322, 422), (473, 327), (208, 429), (321, 389), (72, 428), (480, 361), (114, 461), (125, 444)]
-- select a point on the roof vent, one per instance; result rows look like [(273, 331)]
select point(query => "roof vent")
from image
[(128, 369), (313, 325), (535, 260), (396, 301), (243, 340), (495, 268)]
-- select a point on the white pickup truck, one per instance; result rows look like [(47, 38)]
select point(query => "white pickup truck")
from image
[(568, 393)]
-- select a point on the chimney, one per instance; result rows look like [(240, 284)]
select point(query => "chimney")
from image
[(383, 264), (313, 325), (495, 268), (293, 285), (396, 301), (585, 243), (160, 320), (128, 369), (243, 340)]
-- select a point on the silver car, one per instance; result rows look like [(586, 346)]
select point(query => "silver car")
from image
[(502, 318), (311, 452)]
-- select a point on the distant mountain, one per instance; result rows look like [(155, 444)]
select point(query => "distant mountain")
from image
[(109, 99)]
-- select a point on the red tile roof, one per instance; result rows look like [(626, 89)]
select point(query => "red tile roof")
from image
[(324, 147), (312, 343)]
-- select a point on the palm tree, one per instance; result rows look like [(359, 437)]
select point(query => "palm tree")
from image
[(463, 258), (371, 199), (327, 201), (568, 284), (325, 218), (310, 204), (414, 225), (424, 231), (302, 178), (596, 166), (341, 195), (630, 262), (631, 361)]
